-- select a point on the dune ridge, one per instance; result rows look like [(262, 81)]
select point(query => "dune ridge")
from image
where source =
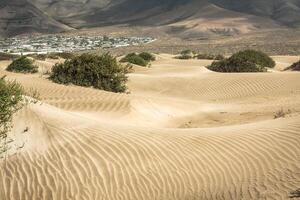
[(89, 144)]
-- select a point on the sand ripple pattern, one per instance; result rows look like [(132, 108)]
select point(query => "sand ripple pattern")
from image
[(86, 144)]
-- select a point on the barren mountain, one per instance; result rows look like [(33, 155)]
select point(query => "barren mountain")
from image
[(185, 17), (20, 16), (286, 12)]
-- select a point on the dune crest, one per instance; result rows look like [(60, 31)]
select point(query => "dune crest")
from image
[(183, 133)]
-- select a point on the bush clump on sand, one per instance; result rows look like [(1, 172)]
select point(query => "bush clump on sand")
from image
[(186, 54), (147, 56), (7, 56), (244, 61), (210, 57), (101, 72), (142, 59), (294, 67), (11, 95), (22, 65)]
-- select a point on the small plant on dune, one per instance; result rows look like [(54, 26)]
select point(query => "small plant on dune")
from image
[(147, 56), (244, 61), (11, 96), (186, 54), (281, 113), (101, 72), (142, 59), (22, 65), (12, 99), (295, 194), (294, 67)]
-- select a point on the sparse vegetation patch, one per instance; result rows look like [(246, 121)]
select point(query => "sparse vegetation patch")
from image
[(101, 72), (142, 59), (22, 65), (295, 194), (281, 113), (186, 54), (294, 67), (11, 94), (244, 61)]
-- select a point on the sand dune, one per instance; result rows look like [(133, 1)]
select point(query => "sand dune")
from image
[(183, 133)]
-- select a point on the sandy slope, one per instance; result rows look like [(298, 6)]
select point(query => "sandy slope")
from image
[(183, 133)]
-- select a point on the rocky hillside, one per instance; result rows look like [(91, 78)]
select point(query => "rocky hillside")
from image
[(179, 16), (19, 17)]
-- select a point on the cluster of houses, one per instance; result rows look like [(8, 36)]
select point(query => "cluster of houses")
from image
[(60, 43)]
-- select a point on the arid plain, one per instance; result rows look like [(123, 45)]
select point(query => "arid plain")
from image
[(182, 133)]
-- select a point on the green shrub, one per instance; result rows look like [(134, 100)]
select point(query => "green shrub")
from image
[(294, 67), (219, 57), (133, 58), (11, 94), (210, 57), (256, 57), (184, 57), (186, 54), (22, 65), (7, 56), (244, 61), (101, 72), (147, 56)]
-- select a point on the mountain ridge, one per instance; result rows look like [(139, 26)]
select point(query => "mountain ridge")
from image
[(187, 15), (21, 17)]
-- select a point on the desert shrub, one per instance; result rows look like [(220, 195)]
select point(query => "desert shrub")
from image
[(22, 65), (11, 94), (147, 56), (219, 57), (256, 57), (295, 194), (7, 56), (133, 58), (101, 72), (294, 67), (281, 113), (186, 52), (185, 55), (244, 61), (210, 57), (233, 65)]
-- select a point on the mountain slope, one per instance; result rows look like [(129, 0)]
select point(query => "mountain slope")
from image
[(96, 12), (20, 16), (286, 12), (178, 16)]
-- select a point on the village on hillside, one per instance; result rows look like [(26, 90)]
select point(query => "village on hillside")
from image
[(59, 43)]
